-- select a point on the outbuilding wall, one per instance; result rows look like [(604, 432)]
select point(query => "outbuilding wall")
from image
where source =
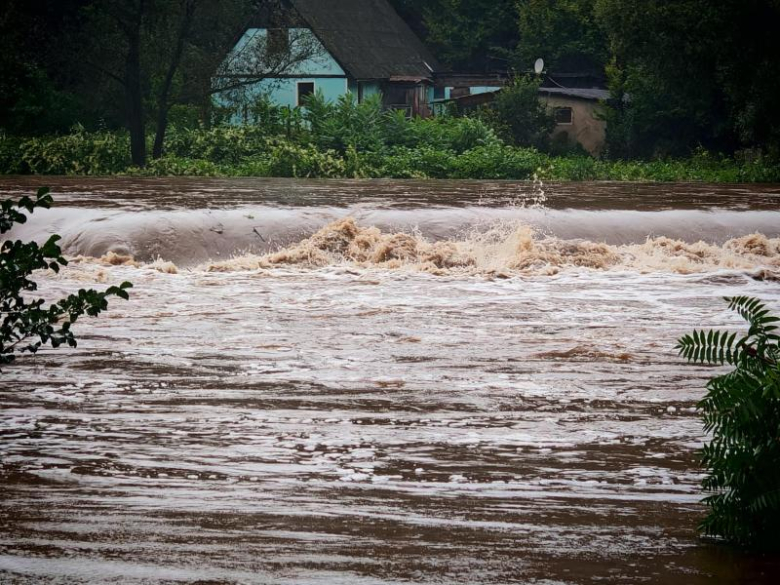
[(586, 128)]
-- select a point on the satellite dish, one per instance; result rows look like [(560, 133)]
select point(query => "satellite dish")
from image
[(539, 66)]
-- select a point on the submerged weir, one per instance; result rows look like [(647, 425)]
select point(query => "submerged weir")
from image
[(378, 382)]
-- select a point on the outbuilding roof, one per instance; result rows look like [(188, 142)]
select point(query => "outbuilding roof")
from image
[(368, 38), (593, 94)]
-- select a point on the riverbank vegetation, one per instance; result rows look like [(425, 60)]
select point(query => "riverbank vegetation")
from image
[(741, 411), (683, 74), (347, 140)]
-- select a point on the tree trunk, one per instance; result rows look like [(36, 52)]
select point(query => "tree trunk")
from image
[(162, 126), (205, 109), (134, 94), (163, 105)]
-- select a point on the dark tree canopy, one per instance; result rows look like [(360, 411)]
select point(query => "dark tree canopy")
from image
[(695, 72), (564, 33), (37, 76), (471, 34)]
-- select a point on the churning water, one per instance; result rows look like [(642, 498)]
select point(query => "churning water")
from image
[(377, 382)]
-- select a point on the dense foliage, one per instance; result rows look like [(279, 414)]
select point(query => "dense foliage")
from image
[(471, 34), (519, 116), (742, 412), (347, 139), (28, 323), (565, 33), (457, 148), (692, 72), (116, 63), (684, 75)]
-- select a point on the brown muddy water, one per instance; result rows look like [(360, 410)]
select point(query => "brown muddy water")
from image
[(377, 382)]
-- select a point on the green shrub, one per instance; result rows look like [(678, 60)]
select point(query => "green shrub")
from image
[(443, 133), (366, 127), (741, 410), (78, 153), (253, 167), (580, 168), (361, 165), (364, 144), (400, 131), (10, 161), (222, 145), (423, 162), (290, 160), (345, 123), (519, 116), (184, 116), (498, 162), (171, 166)]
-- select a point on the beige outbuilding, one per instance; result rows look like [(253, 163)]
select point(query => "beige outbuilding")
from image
[(578, 116)]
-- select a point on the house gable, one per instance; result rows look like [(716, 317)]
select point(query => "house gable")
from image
[(368, 38), (255, 41)]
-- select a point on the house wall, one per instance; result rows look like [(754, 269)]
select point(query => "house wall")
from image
[(321, 68), (484, 89), (472, 90), (284, 92), (586, 128), (370, 88), (254, 40)]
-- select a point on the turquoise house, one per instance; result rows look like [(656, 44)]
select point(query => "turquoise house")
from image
[(293, 48)]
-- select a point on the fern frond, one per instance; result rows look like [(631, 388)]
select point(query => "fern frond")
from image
[(712, 347), (746, 307), (742, 412), (755, 313)]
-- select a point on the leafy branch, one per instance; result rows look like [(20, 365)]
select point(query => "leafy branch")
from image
[(27, 324), (742, 412)]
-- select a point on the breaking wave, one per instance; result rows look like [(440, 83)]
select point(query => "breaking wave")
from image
[(505, 249)]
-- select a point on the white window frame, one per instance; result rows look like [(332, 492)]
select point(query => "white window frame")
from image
[(298, 90)]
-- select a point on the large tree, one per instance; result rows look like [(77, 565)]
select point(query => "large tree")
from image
[(140, 45), (471, 34), (692, 72), (564, 33), (163, 52)]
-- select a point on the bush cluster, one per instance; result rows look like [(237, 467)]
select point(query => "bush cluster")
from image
[(347, 139), (77, 153)]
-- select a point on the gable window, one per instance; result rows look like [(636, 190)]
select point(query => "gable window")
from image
[(305, 88), (278, 42), (563, 116)]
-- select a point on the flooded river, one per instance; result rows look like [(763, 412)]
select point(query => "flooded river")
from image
[(377, 382)]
